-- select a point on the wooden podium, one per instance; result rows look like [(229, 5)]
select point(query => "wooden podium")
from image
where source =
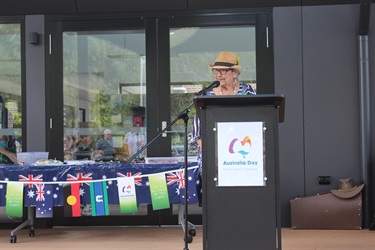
[(241, 207)]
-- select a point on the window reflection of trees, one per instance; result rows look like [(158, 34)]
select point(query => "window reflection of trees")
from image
[(95, 76), (10, 77)]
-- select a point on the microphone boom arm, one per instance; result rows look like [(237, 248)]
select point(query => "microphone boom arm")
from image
[(183, 115)]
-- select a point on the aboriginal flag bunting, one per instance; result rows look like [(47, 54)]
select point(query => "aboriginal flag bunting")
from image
[(72, 201)]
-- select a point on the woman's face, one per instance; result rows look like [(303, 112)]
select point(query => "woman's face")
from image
[(86, 139), (225, 76), (83, 138)]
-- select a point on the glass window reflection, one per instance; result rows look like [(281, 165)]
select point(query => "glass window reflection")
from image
[(10, 92), (191, 50), (104, 90)]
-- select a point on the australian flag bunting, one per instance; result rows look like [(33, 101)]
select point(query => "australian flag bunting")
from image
[(43, 186), (176, 186), (192, 188), (44, 201)]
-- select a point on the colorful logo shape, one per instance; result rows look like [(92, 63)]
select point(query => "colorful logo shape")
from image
[(243, 148), (127, 189)]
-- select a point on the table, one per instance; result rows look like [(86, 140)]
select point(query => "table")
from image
[(60, 175)]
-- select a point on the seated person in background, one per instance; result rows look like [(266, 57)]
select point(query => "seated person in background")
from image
[(104, 146), (7, 154), (83, 148)]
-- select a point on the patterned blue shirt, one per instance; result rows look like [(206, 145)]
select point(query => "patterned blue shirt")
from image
[(244, 89)]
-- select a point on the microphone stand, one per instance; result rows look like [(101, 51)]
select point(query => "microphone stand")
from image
[(188, 238), (183, 115), (180, 116)]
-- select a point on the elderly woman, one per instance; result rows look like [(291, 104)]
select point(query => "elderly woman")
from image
[(7, 155), (226, 70)]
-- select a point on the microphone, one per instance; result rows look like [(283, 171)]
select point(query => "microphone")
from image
[(213, 85)]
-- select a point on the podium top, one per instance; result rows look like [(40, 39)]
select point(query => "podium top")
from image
[(275, 100)]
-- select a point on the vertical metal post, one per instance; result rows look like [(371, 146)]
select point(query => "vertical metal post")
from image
[(365, 120)]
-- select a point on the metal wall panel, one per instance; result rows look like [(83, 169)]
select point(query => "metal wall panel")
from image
[(316, 68), (331, 96), (35, 86), (289, 80)]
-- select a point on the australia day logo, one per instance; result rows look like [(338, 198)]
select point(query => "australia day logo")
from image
[(127, 189), (240, 147)]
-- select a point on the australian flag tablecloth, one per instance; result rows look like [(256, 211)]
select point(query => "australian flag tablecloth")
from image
[(59, 175)]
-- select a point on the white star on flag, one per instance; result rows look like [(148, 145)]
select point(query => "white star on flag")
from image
[(30, 194)]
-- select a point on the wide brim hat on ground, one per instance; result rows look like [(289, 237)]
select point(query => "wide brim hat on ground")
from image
[(226, 60), (347, 189)]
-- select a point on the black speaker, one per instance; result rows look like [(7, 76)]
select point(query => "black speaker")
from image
[(34, 38)]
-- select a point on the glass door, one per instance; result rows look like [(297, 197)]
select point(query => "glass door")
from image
[(10, 99), (10, 90), (191, 50), (194, 45), (104, 90), (98, 95)]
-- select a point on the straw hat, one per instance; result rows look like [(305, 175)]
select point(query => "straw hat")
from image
[(226, 60), (347, 189)]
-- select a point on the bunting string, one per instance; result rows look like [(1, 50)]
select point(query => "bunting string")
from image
[(97, 185), (98, 180)]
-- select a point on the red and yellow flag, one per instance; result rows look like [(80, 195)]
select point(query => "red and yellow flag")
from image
[(72, 201)]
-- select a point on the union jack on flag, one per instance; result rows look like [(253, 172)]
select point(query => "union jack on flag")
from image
[(137, 180), (40, 192), (80, 177), (178, 177), (30, 179)]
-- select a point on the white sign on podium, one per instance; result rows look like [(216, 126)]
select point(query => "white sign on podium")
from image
[(240, 148)]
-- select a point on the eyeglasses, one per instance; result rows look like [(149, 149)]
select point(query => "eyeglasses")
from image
[(222, 71)]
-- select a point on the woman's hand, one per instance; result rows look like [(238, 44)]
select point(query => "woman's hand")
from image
[(199, 142)]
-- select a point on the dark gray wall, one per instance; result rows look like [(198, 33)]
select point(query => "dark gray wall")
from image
[(289, 81), (316, 68)]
